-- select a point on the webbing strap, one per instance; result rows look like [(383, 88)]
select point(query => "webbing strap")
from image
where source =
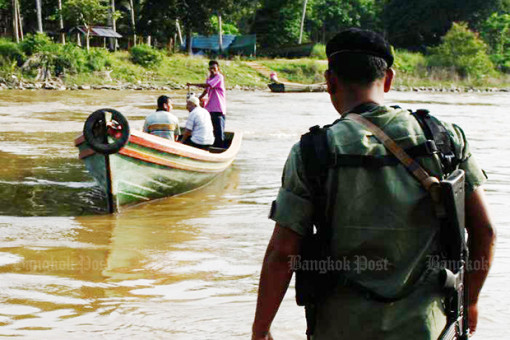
[(369, 161), (414, 167)]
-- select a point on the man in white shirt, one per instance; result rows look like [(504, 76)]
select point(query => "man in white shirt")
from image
[(162, 123), (198, 131)]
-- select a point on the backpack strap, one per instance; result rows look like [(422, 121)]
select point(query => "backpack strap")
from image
[(317, 161), (435, 131)]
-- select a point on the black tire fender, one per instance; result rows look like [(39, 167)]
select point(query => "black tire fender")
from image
[(96, 131)]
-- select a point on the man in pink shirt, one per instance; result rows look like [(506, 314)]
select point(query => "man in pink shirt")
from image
[(214, 87)]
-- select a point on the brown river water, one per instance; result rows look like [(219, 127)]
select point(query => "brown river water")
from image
[(185, 267)]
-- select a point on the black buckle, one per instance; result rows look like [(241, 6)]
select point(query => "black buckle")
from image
[(315, 129), (448, 162), (431, 147)]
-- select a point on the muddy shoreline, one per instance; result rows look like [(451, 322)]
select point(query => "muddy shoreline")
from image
[(57, 84)]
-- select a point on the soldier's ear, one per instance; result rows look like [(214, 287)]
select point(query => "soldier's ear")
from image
[(388, 79), (331, 81)]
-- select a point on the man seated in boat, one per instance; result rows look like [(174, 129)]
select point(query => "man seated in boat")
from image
[(162, 123), (198, 130)]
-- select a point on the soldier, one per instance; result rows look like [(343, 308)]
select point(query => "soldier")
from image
[(383, 229)]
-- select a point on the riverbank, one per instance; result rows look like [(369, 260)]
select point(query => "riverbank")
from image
[(175, 71)]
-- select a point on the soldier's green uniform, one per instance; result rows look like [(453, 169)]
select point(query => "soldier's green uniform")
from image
[(384, 230)]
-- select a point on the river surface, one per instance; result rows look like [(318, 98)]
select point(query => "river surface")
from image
[(185, 267)]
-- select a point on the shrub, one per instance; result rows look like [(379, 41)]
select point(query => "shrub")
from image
[(462, 50), (409, 62), (319, 51), (146, 56), (10, 52), (70, 58), (34, 43), (98, 59)]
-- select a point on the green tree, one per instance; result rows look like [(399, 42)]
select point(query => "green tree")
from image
[(462, 50), (193, 15), (278, 22), (330, 16), (87, 13), (415, 24), (496, 32), (226, 27)]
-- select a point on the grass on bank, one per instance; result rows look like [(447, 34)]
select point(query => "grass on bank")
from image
[(144, 64), (173, 70)]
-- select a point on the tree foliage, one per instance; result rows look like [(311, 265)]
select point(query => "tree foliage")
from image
[(327, 17), (496, 32), (416, 24), (86, 12), (464, 51), (278, 22)]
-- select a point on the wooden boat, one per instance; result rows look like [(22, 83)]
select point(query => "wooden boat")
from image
[(133, 167), (295, 87)]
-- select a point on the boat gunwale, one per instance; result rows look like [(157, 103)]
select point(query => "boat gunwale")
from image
[(169, 147)]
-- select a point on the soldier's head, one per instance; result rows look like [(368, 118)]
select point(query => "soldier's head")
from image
[(164, 103), (357, 60)]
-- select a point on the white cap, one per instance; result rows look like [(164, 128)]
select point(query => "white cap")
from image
[(194, 100)]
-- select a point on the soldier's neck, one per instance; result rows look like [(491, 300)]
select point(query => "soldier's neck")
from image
[(349, 98)]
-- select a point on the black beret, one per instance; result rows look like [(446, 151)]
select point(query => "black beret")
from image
[(356, 40)]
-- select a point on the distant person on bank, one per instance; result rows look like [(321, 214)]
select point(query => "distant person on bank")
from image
[(216, 104), (198, 130), (162, 123)]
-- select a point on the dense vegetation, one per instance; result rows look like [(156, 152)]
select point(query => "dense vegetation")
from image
[(441, 40)]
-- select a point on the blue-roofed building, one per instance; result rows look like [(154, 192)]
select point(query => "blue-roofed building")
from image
[(232, 44)]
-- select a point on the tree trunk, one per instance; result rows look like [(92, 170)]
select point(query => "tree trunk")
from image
[(188, 41), (39, 16), (178, 30), (20, 21), (15, 20), (133, 21), (220, 33), (87, 37), (112, 23), (78, 39), (61, 23), (302, 22)]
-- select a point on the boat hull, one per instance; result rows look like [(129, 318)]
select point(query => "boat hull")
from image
[(293, 87), (149, 167)]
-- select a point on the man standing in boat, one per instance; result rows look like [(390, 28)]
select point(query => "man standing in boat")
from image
[(198, 130), (380, 279), (214, 87), (162, 123)]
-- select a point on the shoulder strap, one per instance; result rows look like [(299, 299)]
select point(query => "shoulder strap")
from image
[(411, 165), (436, 131)]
